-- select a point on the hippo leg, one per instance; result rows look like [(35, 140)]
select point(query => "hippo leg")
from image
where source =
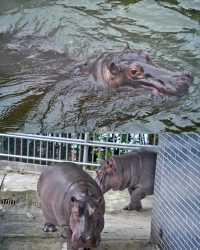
[(136, 195), (48, 227)]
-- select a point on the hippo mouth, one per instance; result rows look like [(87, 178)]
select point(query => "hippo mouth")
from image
[(177, 87), (80, 244), (100, 182), (156, 87)]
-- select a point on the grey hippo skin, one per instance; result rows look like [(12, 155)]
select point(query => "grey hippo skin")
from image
[(136, 69), (70, 197), (135, 171)]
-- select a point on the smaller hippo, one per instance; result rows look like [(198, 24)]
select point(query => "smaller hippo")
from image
[(135, 171), (70, 198)]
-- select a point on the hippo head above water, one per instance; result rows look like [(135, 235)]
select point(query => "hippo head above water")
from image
[(136, 69)]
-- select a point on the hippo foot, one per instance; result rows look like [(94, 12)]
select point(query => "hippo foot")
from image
[(49, 228), (129, 208)]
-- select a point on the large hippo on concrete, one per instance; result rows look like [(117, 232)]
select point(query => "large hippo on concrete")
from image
[(70, 197), (135, 68), (135, 171)]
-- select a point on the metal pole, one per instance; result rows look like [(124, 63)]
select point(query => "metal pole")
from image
[(85, 150)]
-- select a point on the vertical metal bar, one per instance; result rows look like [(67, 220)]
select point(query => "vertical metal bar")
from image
[(53, 150), (34, 150), (79, 152), (27, 149), (8, 148), (141, 139), (72, 152), (15, 145), (113, 138), (67, 151), (93, 148), (154, 139), (40, 151), (21, 149), (106, 151), (85, 150), (59, 148), (120, 150), (47, 152), (59, 151)]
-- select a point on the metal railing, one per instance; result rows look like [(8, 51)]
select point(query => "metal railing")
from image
[(86, 149)]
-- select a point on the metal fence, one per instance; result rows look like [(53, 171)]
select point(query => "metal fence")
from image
[(86, 148)]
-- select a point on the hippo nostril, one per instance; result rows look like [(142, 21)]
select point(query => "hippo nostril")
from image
[(185, 78), (88, 238), (188, 75), (82, 238)]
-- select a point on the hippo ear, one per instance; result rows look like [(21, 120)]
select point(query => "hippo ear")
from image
[(110, 166), (114, 70)]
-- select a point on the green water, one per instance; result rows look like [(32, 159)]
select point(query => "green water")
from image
[(41, 41)]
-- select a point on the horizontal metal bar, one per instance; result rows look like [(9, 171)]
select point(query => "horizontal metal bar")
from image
[(42, 137), (47, 159), (79, 141)]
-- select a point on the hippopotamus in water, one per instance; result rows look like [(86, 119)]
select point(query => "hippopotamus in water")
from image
[(135, 68), (135, 171), (70, 197)]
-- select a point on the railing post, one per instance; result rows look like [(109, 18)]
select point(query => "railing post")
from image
[(85, 151)]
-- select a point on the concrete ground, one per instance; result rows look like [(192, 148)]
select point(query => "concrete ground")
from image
[(22, 220)]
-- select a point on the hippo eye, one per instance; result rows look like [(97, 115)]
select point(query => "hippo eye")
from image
[(73, 199), (136, 70), (99, 172)]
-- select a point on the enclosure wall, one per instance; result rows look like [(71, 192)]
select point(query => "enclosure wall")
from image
[(176, 208)]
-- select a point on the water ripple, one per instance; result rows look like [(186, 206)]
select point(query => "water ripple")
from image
[(42, 41)]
